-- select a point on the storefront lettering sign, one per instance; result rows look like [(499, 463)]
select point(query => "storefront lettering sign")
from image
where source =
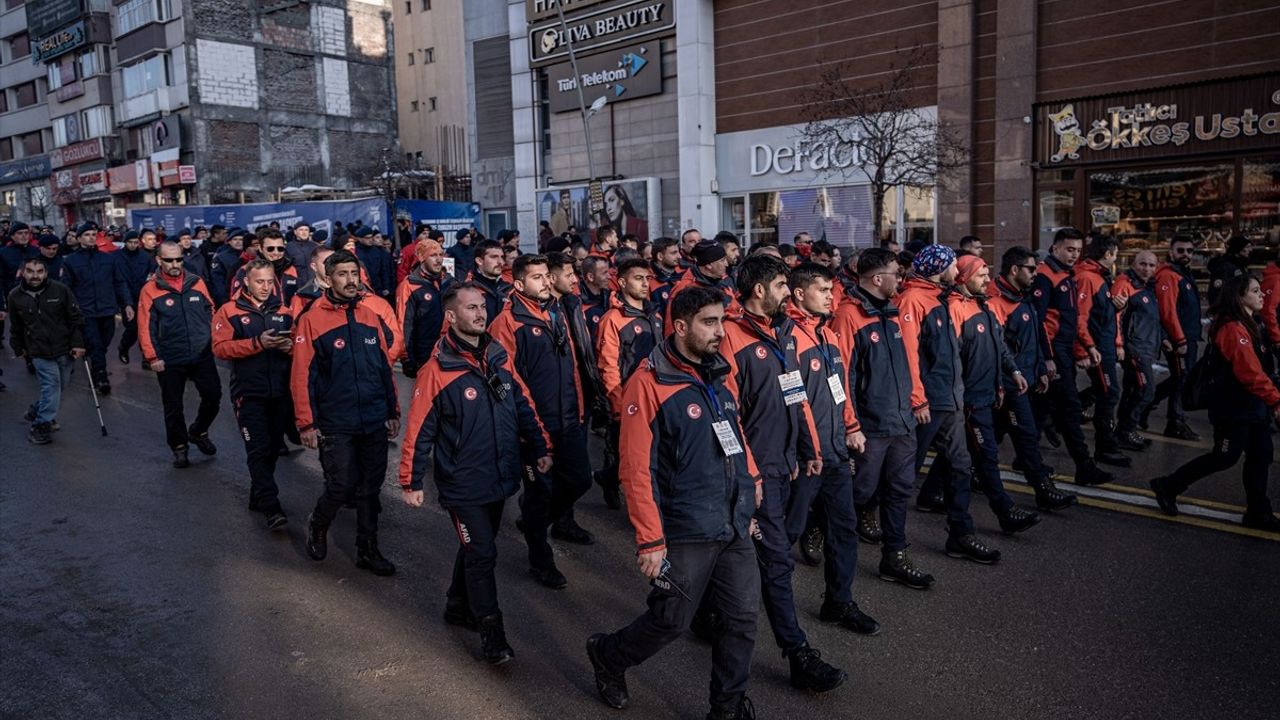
[(801, 156), (619, 74), (622, 21), (77, 153), (1214, 116), (62, 41)]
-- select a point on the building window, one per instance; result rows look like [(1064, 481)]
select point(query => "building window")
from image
[(4, 101), (413, 105), (97, 122), (32, 144), (62, 72), (426, 5), (66, 130), (417, 158), (410, 58), (408, 7), (9, 5), (6, 153), (146, 76), (26, 94), (431, 104), (19, 46), (10, 197), (429, 55), (93, 62), (135, 13)]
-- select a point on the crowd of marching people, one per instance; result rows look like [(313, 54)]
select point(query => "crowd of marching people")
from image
[(751, 401)]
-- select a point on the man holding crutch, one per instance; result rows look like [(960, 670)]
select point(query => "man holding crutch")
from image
[(46, 329)]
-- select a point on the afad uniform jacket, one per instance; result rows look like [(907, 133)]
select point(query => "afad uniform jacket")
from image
[(626, 336), (928, 335), (681, 484), (661, 286), (1054, 295), (543, 357), (256, 371), (1179, 301), (985, 360), (496, 292), (693, 276), (1140, 321), (882, 374), (341, 372), (1271, 302), (818, 351), (175, 320), (419, 303), (1250, 392), (761, 352), (1097, 321), (303, 298), (468, 414), (1021, 327)]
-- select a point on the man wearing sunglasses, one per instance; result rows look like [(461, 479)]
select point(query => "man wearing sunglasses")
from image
[(175, 315), (274, 252), (1179, 302)]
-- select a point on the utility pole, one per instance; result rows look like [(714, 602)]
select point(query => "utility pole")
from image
[(582, 103)]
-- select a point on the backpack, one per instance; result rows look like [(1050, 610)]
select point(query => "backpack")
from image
[(1205, 379)]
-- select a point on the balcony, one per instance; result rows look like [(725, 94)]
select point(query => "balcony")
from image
[(162, 100)]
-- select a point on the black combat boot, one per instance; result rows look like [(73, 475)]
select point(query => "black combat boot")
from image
[(611, 685), (810, 672), (493, 640), (897, 567), (1016, 520), (317, 539), (369, 558), (180, 459)]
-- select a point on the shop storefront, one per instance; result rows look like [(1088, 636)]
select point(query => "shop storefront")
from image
[(79, 181), (1200, 161), (774, 184)]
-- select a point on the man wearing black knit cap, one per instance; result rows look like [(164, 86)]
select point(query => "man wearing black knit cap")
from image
[(100, 288), (710, 270)]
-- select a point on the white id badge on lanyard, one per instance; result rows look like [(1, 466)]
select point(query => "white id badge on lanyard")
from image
[(792, 387), (837, 388), (728, 440)]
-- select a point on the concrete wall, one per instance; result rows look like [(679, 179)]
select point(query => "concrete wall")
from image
[(441, 29)]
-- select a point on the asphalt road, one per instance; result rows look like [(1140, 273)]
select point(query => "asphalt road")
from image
[(131, 590)]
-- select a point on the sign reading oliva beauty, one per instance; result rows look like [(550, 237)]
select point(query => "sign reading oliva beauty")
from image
[(1222, 116), (599, 27)]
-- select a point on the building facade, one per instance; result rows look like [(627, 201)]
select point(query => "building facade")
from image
[(162, 102), (431, 85)]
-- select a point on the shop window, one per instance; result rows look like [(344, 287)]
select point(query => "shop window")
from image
[(1145, 208), (917, 214), (733, 215), (25, 94), (1260, 202), (1056, 207), (889, 229)]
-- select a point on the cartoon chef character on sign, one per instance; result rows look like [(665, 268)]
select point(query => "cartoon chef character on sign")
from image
[(1068, 130)]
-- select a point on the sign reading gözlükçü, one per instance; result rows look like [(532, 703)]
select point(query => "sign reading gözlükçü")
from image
[(599, 27), (619, 75), (1219, 116)]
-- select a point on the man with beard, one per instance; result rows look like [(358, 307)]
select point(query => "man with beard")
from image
[(420, 305), (826, 386), (175, 315), (534, 330), (1099, 347), (46, 328), (102, 291), (594, 292), (565, 291), (1179, 300), (487, 275), (764, 374), (468, 412), (627, 334), (137, 261), (711, 270), (49, 248), (254, 333), (666, 272), (274, 252), (344, 402), (691, 490)]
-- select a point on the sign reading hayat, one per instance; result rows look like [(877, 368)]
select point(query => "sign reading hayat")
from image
[(540, 9), (622, 74), (620, 21), (1208, 117)]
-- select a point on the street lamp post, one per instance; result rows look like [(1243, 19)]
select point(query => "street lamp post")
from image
[(582, 101)]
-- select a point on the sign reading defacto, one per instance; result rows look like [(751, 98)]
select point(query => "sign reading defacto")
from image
[(45, 16), (539, 9), (621, 21), (62, 41), (619, 75), (1208, 117)]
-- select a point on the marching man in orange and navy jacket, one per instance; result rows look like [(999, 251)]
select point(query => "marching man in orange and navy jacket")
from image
[(1178, 297), (420, 305), (627, 333), (985, 363), (534, 330), (826, 386), (175, 317), (344, 402), (691, 487), (1099, 343), (467, 415), (254, 331), (764, 372)]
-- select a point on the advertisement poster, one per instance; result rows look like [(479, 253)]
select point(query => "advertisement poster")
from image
[(446, 216), (628, 207)]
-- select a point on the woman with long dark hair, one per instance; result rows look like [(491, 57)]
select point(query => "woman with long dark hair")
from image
[(1244, 404)]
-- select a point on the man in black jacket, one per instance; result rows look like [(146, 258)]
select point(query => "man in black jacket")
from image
[(467, 413), (48, 330)]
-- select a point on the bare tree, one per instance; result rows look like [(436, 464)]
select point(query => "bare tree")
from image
[(893, 140), (41, 206)]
